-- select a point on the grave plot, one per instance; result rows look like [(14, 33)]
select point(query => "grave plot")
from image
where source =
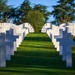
[(71, 27), (51, 33), (22, 32), (66, 42), (64, 30), (30, 28), (37, 57), (12, 39), (3, 49), (5, 45), (45, 27)]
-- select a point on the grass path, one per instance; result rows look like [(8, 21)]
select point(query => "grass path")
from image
[(37, 56)]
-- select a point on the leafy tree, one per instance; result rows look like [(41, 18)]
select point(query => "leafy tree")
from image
[(64, 11), (2, 5), (36, 19), (16, 15), (21, 12), (4, 11), (43, 10), (26, 7)]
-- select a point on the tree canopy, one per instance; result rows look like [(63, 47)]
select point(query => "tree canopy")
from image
[(36, 19), (5, 11), (64, 11), (25, 7), (43, 10)]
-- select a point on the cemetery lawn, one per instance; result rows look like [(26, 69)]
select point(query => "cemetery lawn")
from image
[(37, 56)]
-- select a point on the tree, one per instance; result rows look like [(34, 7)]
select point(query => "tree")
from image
[(21, 12), (43, 10), (2, 8), (36, 19), (4, 11), (2, 5), (64, 11)]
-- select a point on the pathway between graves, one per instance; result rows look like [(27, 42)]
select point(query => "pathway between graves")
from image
[(35, 56)]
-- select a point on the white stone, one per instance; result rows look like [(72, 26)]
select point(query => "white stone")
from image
[(44, 28)]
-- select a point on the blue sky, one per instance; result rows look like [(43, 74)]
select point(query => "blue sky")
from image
[(49, 3)]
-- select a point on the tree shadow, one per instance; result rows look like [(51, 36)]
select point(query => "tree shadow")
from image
[(35, 59)]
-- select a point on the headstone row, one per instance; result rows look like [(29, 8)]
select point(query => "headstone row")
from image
[(61, 37), (44, 28), (11, 37)]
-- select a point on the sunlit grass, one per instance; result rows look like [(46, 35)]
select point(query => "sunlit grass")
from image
[(37, 56)]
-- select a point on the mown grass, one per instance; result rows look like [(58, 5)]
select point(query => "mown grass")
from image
[(37, 56)]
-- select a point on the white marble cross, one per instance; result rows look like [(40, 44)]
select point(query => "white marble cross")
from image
[(66, 42)]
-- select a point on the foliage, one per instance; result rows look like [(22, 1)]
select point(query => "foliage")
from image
[(36, 19), (2, 5), (24, 9), (21, 12), (43, 10), (64, 11), (5, 11)]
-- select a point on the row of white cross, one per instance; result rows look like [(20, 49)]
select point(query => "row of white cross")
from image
[(61, 37), (11, 37)]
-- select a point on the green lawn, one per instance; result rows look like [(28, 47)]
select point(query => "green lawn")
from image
[(37, 56)]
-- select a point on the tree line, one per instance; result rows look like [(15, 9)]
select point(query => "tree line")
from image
[(38, 14)]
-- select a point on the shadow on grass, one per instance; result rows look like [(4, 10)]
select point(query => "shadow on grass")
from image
[(38, 39), (31, 71), (73, 38), (39, 63), (36, 62)]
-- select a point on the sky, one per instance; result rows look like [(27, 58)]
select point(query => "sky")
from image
[(48, 3)]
